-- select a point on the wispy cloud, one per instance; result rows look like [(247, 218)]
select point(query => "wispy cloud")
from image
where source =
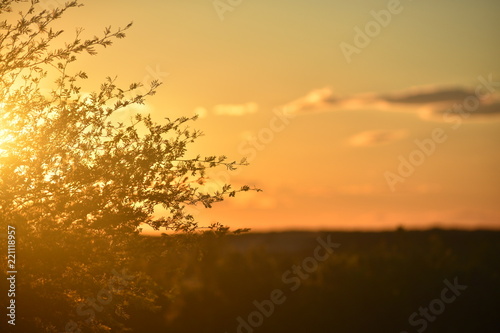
[(376, 137), (428, 102), (317, 100), (484, 110), (235, 109), (201, 112), (428, 95)]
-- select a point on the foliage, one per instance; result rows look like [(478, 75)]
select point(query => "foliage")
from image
[(373, 282), (78, 184)]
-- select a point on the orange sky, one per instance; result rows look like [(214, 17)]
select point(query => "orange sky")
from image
[(327, 100)]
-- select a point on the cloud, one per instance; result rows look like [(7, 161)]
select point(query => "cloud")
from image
[(314, 101), (228, 110), (376, 137), (201, 112), (428, 102), (478, 111), (127, 114), (235, 109), (428, 95), (435, 103)]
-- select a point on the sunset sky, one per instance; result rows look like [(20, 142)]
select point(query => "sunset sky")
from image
[(327, 100)]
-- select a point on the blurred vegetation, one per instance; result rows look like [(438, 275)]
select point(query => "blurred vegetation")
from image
[(202, 282), (372, 283)]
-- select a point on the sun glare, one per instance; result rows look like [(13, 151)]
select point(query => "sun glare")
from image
[(4, 135)]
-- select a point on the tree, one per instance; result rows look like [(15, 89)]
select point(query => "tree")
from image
[(77, 185)]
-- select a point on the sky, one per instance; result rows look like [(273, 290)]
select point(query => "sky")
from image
[(354, 115)]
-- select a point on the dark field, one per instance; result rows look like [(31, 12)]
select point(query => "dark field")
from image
[(413, 281), (401, 281)]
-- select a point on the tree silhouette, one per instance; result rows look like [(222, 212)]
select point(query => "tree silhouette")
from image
[(77, 185)]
